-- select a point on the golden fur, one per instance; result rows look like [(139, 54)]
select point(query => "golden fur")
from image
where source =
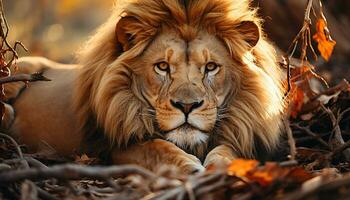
[(254, 114), (108, 93)]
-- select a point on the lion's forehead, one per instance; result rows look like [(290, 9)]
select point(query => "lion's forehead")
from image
[(171, 47)]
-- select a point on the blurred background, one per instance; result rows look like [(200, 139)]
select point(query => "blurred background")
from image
[(56, 28)]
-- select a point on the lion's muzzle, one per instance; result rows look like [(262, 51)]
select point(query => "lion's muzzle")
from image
[(186, 108)]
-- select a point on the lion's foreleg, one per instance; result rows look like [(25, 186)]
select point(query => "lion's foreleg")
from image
[(221, 154), (153, 154)]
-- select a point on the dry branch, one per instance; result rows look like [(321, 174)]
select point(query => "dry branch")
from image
[(313, 135), (340, 149), (291, 140), (338, 138), (18, 149), (24, 77), (74, 172)]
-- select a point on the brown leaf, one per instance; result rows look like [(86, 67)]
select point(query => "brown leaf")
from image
[(296, 100), (325, 42), (267, 174), (84, 159)]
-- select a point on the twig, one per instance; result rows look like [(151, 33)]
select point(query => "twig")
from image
[(24, 77), (31, 161), (341, 115), (288, 163), (215, 186), (305, 36), (291, 140), (74, 172), (340, 149), (4, 33), (338, 138), (325, 187), (196, 183), (313, 135), (18, 149), (45, 195), (343, 85)]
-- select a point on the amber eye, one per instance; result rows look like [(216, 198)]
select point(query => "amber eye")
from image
[(162, 68), (211, 68)]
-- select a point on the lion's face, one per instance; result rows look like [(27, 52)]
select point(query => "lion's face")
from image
[(186, 84)]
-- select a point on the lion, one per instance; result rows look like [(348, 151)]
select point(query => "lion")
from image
[(188, 83)]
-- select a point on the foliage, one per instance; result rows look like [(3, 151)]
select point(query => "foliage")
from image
[(325, 42)]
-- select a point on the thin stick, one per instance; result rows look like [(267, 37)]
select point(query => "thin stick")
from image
[(338, 138), (313, 135), (340, 149), (18, 149), (24, 77), (291, 140)]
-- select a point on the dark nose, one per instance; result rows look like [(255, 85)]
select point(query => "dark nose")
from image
[(186, 108)]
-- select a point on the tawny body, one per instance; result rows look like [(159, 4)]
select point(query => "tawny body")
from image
[(49, 102)]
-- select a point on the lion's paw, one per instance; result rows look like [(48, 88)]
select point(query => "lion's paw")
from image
[(192, 165)]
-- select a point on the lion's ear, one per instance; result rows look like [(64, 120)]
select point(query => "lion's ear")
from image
[(250, 32), (124, 32)]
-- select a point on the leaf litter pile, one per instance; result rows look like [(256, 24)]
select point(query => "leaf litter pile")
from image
[(312, 162)]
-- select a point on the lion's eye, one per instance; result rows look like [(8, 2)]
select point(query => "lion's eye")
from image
[(211, 68), (162, 68)]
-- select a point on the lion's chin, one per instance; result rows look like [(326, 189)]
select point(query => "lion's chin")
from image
[(187, 137)]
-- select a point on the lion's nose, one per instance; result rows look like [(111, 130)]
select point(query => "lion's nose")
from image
[(186, 108)]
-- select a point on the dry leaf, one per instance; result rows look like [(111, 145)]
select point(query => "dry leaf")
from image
[(267, 174), (84, 159), (241, 167), (322, 37), (300, 89), (272, 172), (297, 100)]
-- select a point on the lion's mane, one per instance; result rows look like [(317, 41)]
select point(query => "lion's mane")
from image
[(108, 99)]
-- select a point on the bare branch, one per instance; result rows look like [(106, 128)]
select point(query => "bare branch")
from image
[(338, 138), (24, 77), (74, 172), (19, 151), (291, 140)]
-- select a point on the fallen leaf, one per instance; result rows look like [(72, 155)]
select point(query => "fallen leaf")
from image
[(267, 174), (297, 100), (241, 167), (84, 159), (325, 42)]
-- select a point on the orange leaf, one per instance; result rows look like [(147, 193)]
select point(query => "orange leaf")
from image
[(264, 178), (267, 174), (241, 167), (322, 37), (297, 100), (272, 172)]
